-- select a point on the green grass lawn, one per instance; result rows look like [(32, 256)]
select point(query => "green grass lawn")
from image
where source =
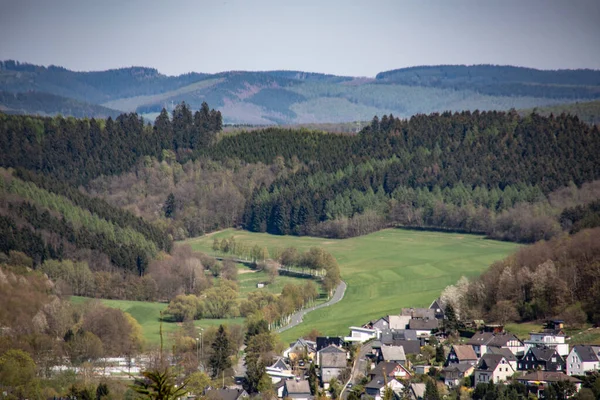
[(147, 314), (385, 271)]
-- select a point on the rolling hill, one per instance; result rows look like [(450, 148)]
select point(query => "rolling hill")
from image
[(291, 97)]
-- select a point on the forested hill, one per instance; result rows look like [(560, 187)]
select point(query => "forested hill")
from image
[(287, 97)]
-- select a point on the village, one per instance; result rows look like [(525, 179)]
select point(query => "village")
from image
[(407, 355)]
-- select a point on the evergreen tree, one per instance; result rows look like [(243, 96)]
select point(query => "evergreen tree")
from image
[(431, 391), (169, 206), (219, 361)]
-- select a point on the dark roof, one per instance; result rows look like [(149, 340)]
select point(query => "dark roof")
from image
[(502, 351), (461, 367), (376, 383), (390, 335), (587, 353), (489, 362), (410, 346), (546, 376), (543, 353), (388, 366), (324, 341), (225, 394), (481, 338), (502, 339), (423, 324)]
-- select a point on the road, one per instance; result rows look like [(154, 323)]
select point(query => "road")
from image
[(297, 317), (359, 368)]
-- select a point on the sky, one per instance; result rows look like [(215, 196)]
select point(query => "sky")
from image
[(343, 37)]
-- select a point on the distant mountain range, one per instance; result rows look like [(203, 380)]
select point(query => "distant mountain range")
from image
[(290, 97)]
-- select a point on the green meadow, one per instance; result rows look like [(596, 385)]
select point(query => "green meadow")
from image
[(385, 271)]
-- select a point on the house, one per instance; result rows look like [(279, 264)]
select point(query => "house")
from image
[(332, 360), (325, 341), (360, 334), (544, 358), (492, 368), (417, 391), (378, 324), (391, 370), (583, 359), (554, 338), (537, 381), (392, 353), (279, 371), (410, 346), (418, 313), (462, 353), (438, 310), (279, 387), (226, 394), (399, 321), (297, 389), (508, 341), (454, 374), (510, 357), (376, 387), (423, 326), (388, 336), (301, 348), (480, 341)]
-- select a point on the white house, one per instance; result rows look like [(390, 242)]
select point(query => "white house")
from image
[(493, 367), (360, 334), (583, 358), (376, 388), (553, 339)]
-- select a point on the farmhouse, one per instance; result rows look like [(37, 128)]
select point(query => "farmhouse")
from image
[(583, 359)]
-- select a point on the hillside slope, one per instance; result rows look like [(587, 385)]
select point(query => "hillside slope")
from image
[(286, 97)]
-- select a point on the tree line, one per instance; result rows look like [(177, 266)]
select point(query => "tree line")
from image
[(78, 150), (557, 278)]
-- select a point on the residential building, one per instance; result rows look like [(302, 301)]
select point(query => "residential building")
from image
[(538, 381), (554, 338), (392, 353), (332, 361), (301, 348), (583, 359), (325, 341), (376, 387), (417, 391), (542, 358), (462, 353), (360, 334), (454, 374), (226, 394), (492, 368), (391, 370), (423, 326), (437, 309), (297, 389), (503, 351)]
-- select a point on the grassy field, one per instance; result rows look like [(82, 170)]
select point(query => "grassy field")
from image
[(147, 314), (385, 271)]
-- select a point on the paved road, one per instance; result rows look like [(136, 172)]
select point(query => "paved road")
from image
[(358, 369), (297, 317)]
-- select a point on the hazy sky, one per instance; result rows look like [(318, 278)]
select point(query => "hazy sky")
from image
[(343, 37)]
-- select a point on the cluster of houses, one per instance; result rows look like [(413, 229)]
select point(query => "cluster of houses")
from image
[(489, 355), (543, 359)]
